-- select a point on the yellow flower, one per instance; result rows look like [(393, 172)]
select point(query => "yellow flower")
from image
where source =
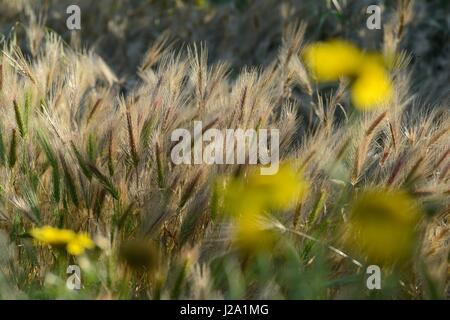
[(328, 61), (251, 233), (201, 3), (260, 193), (280, 190), (75, 248), (373, 86), (85, 240), (52, 236), (382, 226), (248, 200), (79, 244), (76, 244)]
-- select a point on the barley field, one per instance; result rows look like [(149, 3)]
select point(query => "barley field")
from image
[(88, 181)]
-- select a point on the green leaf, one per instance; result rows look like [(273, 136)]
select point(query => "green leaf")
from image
[(51, 157)]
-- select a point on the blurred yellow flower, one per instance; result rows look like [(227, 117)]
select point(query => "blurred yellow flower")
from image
[(52, 236), (328, 61), (278, 191), (260, 193), (76, 244), (372, 88), (252, 233), (80, 244), (382, 226), (248, 200), (201, 3), (74, 248)]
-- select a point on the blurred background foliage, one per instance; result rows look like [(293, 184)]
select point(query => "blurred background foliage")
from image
[(241, 32)]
